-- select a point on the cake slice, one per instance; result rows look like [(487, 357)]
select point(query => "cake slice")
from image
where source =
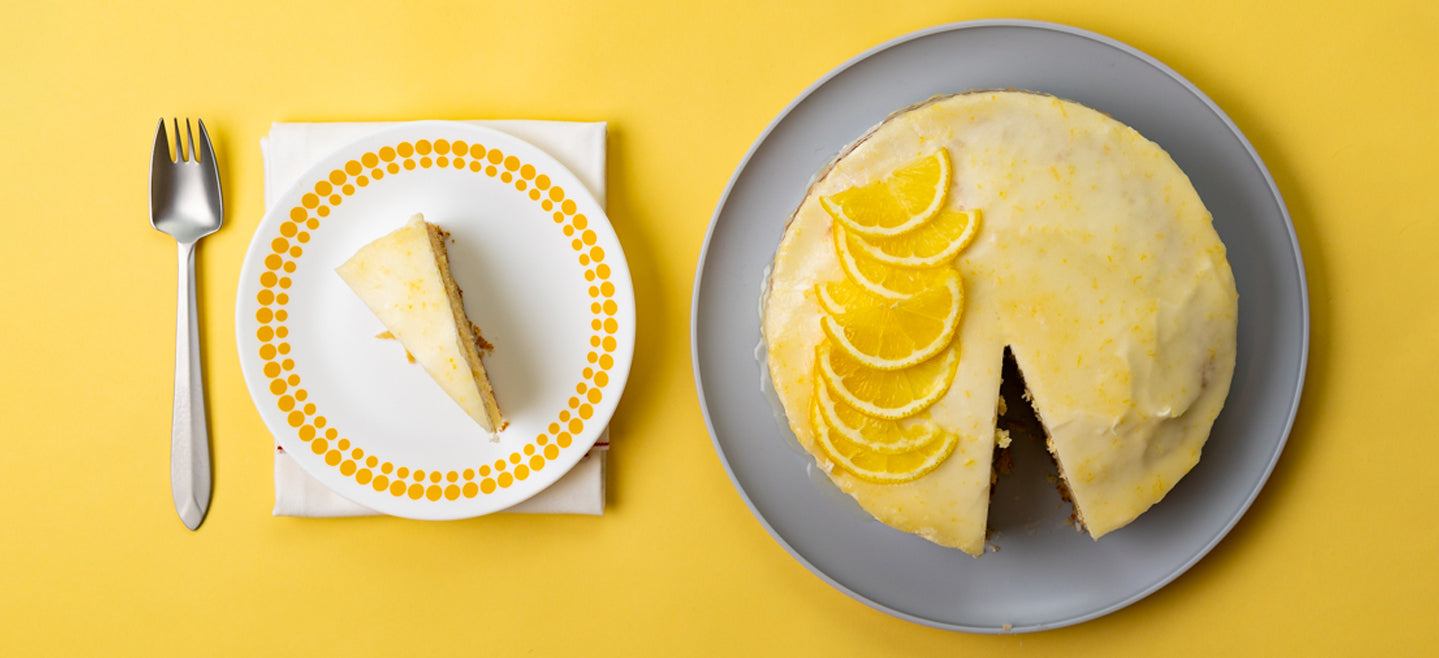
[(404, 278)]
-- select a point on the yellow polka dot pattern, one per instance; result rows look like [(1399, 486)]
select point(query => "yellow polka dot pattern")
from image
[(304, 417)]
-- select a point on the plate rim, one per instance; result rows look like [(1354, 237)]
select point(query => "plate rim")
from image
[(1124, 48), (619, 264)]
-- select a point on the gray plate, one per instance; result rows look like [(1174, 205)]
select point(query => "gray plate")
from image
[(1044, 575)]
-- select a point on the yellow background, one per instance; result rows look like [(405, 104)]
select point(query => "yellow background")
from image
[(1339, 555)]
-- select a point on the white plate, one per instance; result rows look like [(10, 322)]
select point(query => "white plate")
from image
[(1045, 574), (544, 276)]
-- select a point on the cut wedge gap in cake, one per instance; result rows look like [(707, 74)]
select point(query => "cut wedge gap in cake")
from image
[(1025, 465)]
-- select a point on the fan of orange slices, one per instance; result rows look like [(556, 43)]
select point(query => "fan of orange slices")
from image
[(890, 351)]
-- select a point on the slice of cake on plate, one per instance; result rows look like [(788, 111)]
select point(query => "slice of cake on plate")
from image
[(982, 222), (404, 278)]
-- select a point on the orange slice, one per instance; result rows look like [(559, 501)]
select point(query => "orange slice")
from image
[(882, 436), (878, 467), (879, 278), (898, 203), (889, 394), (890, 334), (931, 245)]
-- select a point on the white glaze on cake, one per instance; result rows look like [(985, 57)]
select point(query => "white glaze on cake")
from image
[(1096, 264), (404, 279)]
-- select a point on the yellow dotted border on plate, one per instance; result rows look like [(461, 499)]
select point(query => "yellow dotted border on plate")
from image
[(278, 366)]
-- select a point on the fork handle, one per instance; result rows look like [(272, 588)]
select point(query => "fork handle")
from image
[(189, 435)]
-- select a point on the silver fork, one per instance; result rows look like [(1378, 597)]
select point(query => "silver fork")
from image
[(185, 203)]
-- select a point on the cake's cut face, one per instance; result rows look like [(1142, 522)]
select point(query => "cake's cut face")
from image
[(1070, 239), (404, 278)]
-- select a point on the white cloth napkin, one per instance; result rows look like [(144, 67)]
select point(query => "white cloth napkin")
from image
[(289, 149)]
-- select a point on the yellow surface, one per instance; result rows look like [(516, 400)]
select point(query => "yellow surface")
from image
[(1338, 555)]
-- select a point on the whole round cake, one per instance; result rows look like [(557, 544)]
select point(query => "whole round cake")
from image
[(985, 224)]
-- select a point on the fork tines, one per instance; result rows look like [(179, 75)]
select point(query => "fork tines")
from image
[(177, 148)]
